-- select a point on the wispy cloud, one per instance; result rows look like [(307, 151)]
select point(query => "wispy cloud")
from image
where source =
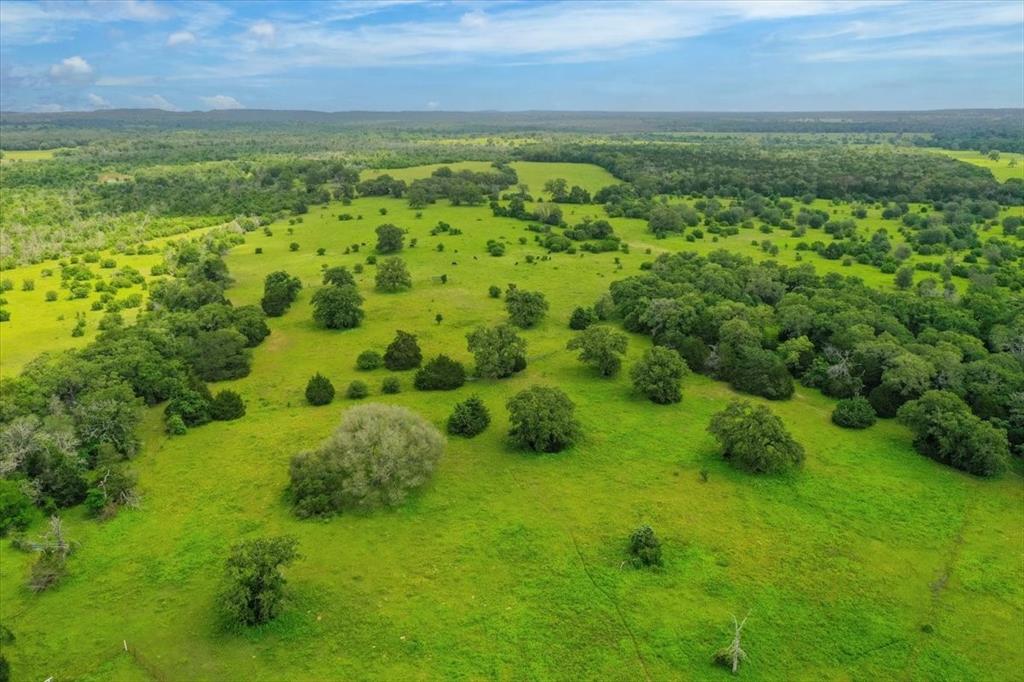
[(97, 102), (222, 102), (181, 38), (156, 102), (33, 22)]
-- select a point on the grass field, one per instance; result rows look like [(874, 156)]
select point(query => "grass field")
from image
[(17, 155), (870, 563), (1009, 165)]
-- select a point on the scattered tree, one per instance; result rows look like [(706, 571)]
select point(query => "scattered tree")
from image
[(376, 457), (338, 307), (389, 238), (253, 587), (542, 419), (525, 308), (393, 275), (403, 353), (658, 375), (601, 348), (499, 351), (754, 439)]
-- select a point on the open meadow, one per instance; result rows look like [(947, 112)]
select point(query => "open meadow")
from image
[(870, 562)]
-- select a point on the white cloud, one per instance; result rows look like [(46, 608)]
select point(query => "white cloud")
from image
[(97, 102), (34, 22), (263, 31), (181, 38), (222, 102), (156, 102), (433, 104), (945, 49), (72, 70), (48, 108)]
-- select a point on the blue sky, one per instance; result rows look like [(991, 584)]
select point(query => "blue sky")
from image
[(765, 55)]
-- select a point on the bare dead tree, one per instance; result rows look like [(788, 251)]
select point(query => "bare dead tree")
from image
[(732, 655)]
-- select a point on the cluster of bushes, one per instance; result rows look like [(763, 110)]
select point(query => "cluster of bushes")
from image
[(69, 419), (760, 326), (463, 187)]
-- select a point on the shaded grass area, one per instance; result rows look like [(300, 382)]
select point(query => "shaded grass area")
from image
[(510, 565)]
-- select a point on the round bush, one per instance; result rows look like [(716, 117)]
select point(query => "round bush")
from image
[(854, 413), (227, 405), (369, 359), (644, 547), (440, 374), (319, 390), (377, 456), (658, 375), (390, 385), (469, 418), (542, 419), (357, 390), (403, 353)]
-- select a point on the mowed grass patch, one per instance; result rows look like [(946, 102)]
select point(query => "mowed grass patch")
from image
[(510, 565)]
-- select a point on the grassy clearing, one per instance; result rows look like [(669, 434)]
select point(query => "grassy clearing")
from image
[(19, 155), (1009, 165), (873, 562)]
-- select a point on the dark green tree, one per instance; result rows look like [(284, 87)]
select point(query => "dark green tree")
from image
[(754, 439), (658, 375), (542, 419), (403, 353), (253, 587), (319, 390), (337, 307)]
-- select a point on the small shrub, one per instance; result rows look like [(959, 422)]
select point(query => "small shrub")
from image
[(440, 374), (319, 390), (403, 353), (357, 390), (644, 548), (494, 291), (174, 425), (226, 406), (854, 413), (51, 296), (390, 386), (369, 360), (469, 418), (294, 246)]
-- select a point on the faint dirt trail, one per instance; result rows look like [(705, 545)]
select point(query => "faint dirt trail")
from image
[(593, 581), (937, 588)]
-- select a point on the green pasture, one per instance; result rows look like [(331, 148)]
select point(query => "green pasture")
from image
[(870, 563), (1008, 165)]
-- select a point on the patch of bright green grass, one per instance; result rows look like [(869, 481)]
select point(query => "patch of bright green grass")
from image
[(1008, 165), (870, 563)]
